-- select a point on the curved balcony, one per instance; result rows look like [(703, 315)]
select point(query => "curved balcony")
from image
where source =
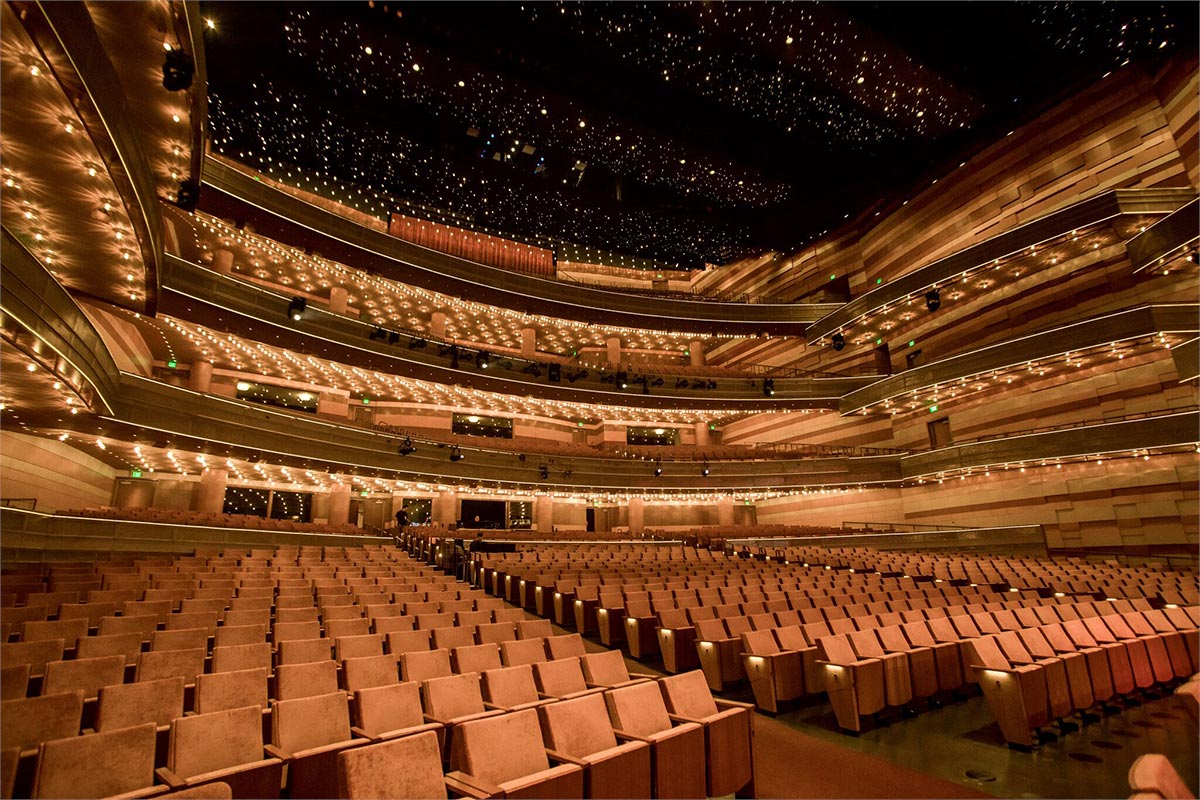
[(67, 36), (1165, 431), (1172, 236), (194, 292), (171, 416), (230, 192), (1096, 332), (1099, 209), (38, 303)]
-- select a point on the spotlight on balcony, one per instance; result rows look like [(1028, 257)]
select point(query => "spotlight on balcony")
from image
[(838, 340), (482, 361), (933, 299), (296, 308), (704, 470), (379, 334), (622, 379), (177, 70), (456, 454), (768, 387), (407, 448)]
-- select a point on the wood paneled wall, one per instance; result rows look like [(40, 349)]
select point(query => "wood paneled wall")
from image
[(57, 475)]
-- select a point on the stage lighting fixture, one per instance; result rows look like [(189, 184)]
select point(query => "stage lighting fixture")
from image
[(393, 337), (622, 379), (456, 454), (657, 471), (187, 195), (407, 448), (554, 373), (543, 472), (481, 360), (416, 343), (704, 471), (177, 70), (768, 387), (379, 334), (296, 308), (933, 299), (839, 341)]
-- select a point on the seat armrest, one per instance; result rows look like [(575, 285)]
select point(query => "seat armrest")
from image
[(466, 785), (639, 676), (563, 758), (630, 737), (862, 662), (493, 706), (732, 704), (361, 734), (431, 719), (169, 778), (1006, 670), (677, 718), (274, 752)]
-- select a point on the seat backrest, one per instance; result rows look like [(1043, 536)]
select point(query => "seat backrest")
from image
[(305, 679), (837, 649), (221, 691), (204, 743), (407, 768), (501, 748), (476, 658), (370, 644), (674, 618), (988, 653), (510, 686), (711, 630), (27, 722), (88, 674), (368, 671), (143, 626), (759, 643), (452, 696), (424, 665), (578, 727), (230, 658), (123, 705), (534, 629), (450, 638), (866, 644), (430, 621), (790, 637), (559, 678), (309, 722), (687, 695), (186, 664), (228, 635), (638, 709), (359, 626), (408, 642), (568, 645), (290, 631), (604, 669), (380, 709), (918, 634), (97, 765), (523, 651)]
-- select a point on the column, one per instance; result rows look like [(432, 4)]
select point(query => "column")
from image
[(339, 504), (445, 507), (725, 511), (637, 516), (543, 514), (223, 261), (696, 353), (210, 493), (702, 438), (200, 377), (338, 300), (613, 344), (528, 342), (437, 325)]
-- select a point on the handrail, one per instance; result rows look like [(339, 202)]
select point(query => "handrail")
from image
[(1086, 423), (1092, 332), (1127, 553), (37, 301), (1059, 223), (232, 192)]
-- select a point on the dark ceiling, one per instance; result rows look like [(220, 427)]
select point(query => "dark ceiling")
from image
[(681, 132)]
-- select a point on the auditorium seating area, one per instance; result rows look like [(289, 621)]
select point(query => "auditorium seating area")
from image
[(305, 672)]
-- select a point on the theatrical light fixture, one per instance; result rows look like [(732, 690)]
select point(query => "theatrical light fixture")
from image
[(768, 387), (456, 454), (657, 472), (704, 470), (296, 308), (407, 448), (416, 343), (933, 299), (481, 360), (554, 373), (622, 380), (187, 195), (377, 334), (839, 341), (393, 337), (177, 70), (543, 472)]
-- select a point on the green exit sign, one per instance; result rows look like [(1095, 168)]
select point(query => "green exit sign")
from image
[(172, 363), (137, 473)]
